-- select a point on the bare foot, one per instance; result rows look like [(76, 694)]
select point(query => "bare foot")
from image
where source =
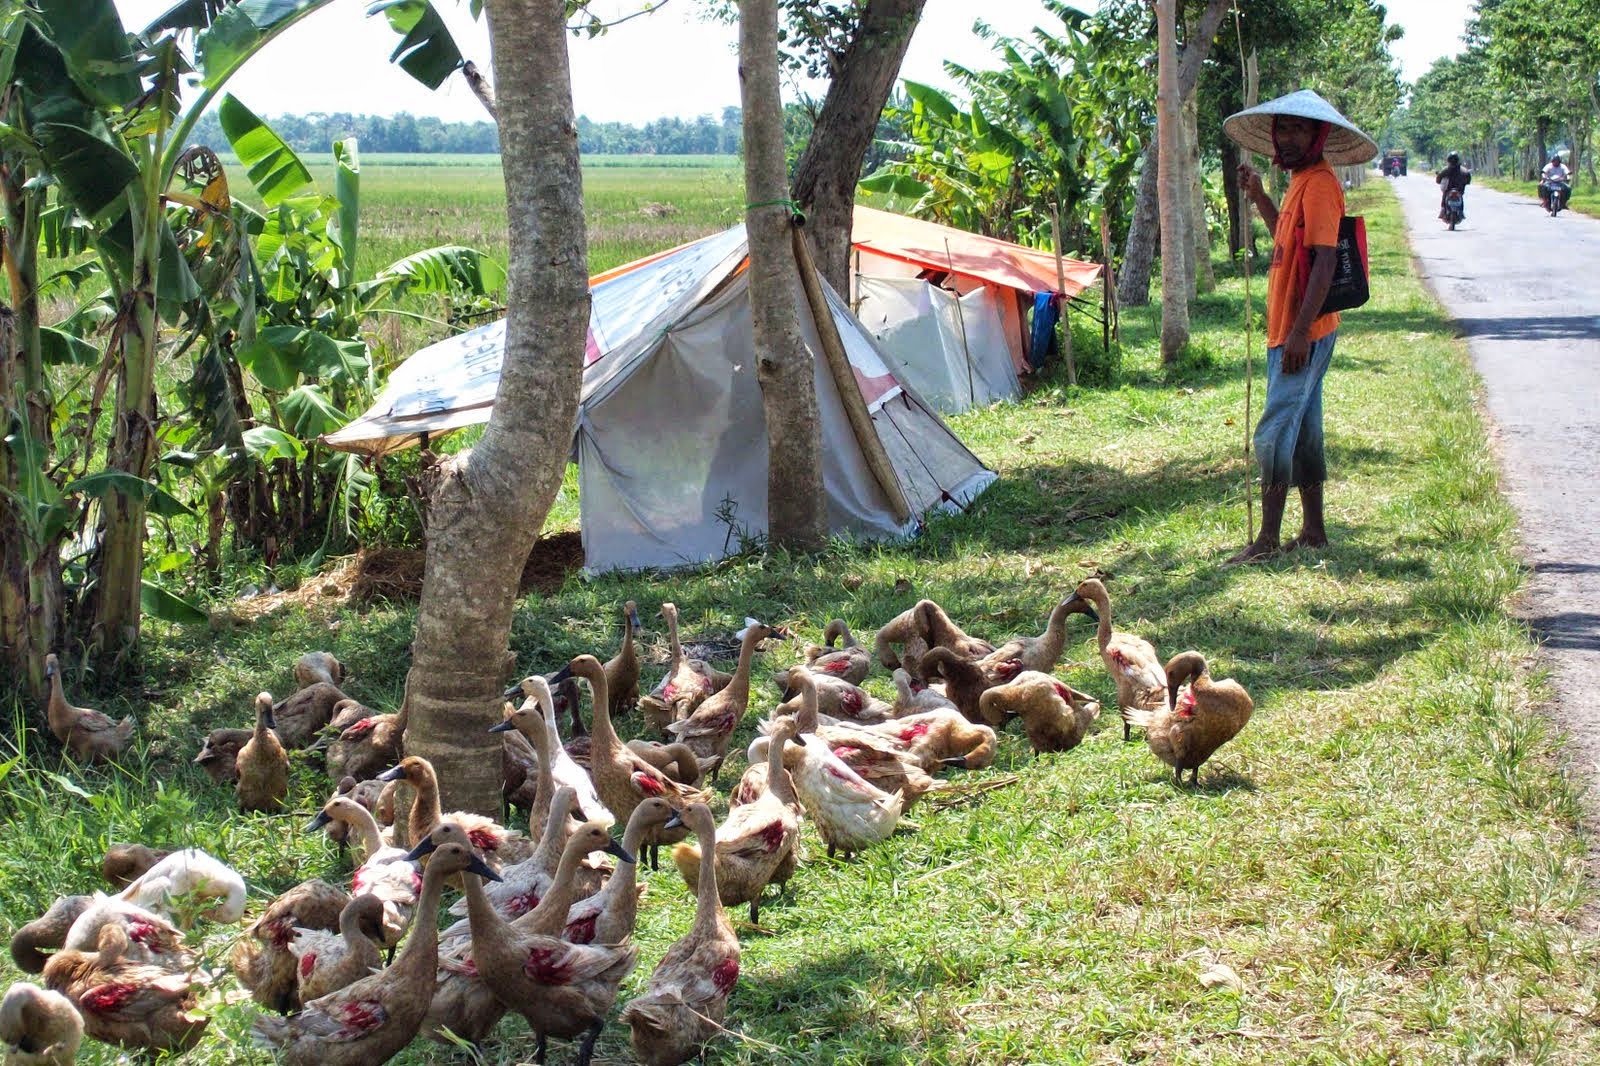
[(1307, 540), (1253, 553)]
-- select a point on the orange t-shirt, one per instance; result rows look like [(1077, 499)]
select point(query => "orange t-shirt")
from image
[(1308, 218)]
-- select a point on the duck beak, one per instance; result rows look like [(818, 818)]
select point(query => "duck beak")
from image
[(1081, 606), (561, 674), (633, 619), (620, 852), (483, 870), (790, 693), (394, 773), (426, 846), (783, 633), (674, 822), (958, 763), (271, 720), (513, 692), (505, 726), (318, 822)]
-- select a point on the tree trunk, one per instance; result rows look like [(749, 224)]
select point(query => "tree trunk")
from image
[(796, 509), (487, 505), (1230, 192), (1133, 284), (826, 174), (1205, 280), (1541, 131), (1169, 129)]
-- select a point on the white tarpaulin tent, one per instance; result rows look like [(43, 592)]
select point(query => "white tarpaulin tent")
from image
[(671, 429), (947, 306)]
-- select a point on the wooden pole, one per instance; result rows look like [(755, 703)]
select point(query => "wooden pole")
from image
[(1061, 290)]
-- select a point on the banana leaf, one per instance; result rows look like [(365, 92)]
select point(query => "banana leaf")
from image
[(91, 39), (426, 50), (445, 270), (240, 30), (271, 165), (345, 226), (157, 602), (102, 482)]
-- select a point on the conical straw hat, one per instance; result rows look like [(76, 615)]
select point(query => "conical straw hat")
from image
[(1252, 128)]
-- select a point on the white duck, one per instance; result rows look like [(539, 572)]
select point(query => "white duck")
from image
[(850, 814), (564, 768), (179, 883), (386, 873)]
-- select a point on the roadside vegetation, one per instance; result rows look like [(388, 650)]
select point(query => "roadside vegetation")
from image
[(1385, 866)]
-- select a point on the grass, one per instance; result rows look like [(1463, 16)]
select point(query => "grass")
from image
[(1388, 856), (1585, 197)]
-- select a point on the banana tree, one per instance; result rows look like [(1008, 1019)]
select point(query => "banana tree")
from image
[(98, 113)]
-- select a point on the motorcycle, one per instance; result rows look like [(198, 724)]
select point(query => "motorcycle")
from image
[(1454, 208), (1557, 194)]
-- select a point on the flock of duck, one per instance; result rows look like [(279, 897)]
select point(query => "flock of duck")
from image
[(352, 975)]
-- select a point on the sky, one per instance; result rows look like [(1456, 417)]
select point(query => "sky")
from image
[(667, 63)]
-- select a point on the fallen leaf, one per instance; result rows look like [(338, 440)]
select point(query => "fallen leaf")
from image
[(1221, 975)]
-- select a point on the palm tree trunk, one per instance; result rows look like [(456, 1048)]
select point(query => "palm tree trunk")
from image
[(796, 509), (826, 174), (1169, 121), (487, 505)]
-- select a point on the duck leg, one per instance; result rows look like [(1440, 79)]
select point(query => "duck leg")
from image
[(755, 911), (586, 1049), (539, 1049)]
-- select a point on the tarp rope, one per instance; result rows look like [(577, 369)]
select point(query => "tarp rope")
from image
[(1246, 238), (794, 208)]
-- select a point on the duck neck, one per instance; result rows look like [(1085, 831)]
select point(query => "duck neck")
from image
[(544, 784), (420, 956), (847, 639), (1054, 637), (260, 734), (425, 810), (486, 922), (674, 649), (365, 826), (805, 719), (350, 927), (549, 918), (604, 736), (58, 697), (625, 880), (626, 653), (708, 904), (739, 687), (779, 783), (1102, 604), (548, 853)]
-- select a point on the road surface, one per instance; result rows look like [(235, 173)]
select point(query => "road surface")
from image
[(1526, 289)]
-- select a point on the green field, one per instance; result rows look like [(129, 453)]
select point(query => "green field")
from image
[(1388, 858)]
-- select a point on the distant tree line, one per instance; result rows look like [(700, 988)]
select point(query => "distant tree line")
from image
[(404, 132)]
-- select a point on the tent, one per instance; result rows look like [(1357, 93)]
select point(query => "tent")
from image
[(949, 308), (671, 440)]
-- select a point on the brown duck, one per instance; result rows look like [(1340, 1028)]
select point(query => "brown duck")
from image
[(139, 1006), (89, 735), (39, 1027), (262, 959), (1199, 717), (262, 764)]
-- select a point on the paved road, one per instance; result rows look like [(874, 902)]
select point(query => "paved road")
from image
[(1526, 288)]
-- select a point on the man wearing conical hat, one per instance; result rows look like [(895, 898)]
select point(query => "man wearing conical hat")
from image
[(1302, 134)]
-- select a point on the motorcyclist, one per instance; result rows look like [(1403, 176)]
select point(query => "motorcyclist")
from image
[(1453, 176), (1552, 173)]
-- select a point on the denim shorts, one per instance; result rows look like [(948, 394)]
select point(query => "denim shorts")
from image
[(1288, 438)]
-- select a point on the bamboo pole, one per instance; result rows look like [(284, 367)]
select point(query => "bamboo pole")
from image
[(844, 378), (1061, 289)]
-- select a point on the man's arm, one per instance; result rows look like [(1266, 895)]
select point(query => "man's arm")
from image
[(1297, 346)]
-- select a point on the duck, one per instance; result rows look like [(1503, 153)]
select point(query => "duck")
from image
[(914, 696), (1054, 716), (262, 764), (123, 863), (346, 713), (535, 689), (219, 754), (964, 680), (488, 836), (46, 932), (562, 989), (383, 873), (621, 777), (1200, 717), (125, 1000), (677, 760), (329, 961), (184, 882), (686, 683), (608, 916), (369, 744), (1039, 654), (87, 734), (881, 759), (686, 999), (301, 717), (708, 730), (942, 739), (925, 622), (367, 793), (315, 666), (522, 885), (622, 669), (152, 938), (836, 698), (262, 959), (755, 843), (518, 772), (849, 662), (369, 1021), (39, 1027), (754, 782), (1131, 660), (850, 814)]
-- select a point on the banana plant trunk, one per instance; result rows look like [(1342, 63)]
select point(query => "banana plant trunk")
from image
[(796, 508), (827, 171), (486, 506), (1175, 286)]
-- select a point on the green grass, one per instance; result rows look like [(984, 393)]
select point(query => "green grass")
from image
[(1388, 856), (1585, 197)]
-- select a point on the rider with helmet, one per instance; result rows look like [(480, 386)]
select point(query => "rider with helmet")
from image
[(1553, 172), (1453, 176)]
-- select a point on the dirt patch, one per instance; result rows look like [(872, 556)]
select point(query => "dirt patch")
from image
[(395, 574)]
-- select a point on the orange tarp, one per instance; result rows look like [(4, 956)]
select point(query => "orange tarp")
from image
[(935, 247)]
